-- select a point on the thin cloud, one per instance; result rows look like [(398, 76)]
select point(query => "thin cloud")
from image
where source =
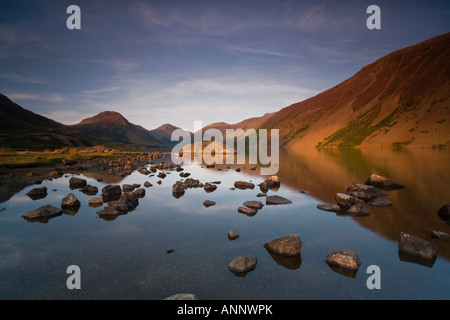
[(22, 79), (46, 97)]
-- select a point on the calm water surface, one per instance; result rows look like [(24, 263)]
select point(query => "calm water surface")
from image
[(126, 258)]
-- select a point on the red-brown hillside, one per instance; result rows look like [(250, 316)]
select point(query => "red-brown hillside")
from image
[(401, 99)]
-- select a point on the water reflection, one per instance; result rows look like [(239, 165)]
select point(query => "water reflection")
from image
[(424, 172)]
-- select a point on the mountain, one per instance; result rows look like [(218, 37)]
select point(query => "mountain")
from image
[(24, 129), (401, 99), (164, 133), (254, 123), (111, 126)]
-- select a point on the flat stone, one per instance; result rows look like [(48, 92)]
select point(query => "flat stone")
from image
[(380, 202), (416, 246), (95, 202), (254, 204), (208, 203), (244, 185), (271, 200), (439, 234), (248, 211), (43, 212), (330, 207), (182, 296)]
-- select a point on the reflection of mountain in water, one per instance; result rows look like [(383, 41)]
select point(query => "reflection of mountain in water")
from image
[(424, 172)]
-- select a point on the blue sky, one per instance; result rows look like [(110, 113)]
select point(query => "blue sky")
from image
[(180, 61)]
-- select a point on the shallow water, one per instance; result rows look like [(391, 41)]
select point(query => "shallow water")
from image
[(126, 258)]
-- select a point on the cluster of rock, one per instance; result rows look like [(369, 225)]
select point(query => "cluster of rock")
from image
[(357, 197), (120, 200), (355, 202)]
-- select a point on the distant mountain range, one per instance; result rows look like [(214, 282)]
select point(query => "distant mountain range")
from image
[(23, 129), (402, 99)]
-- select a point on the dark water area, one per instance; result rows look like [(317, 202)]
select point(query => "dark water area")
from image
[(127, 258)]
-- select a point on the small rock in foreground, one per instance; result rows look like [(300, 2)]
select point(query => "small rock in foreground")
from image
[(182, 296), (277, 200), (345, 262), (242, 265), (232, 235), (208, 203)]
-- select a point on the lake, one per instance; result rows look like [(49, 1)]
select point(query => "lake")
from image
[(127, 258)]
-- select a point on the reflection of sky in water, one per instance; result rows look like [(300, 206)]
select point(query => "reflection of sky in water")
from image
[(126, 258)]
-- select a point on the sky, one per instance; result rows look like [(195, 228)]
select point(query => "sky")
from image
[(178, 62)]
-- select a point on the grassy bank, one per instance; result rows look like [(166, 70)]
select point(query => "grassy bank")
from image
[(26, 159)]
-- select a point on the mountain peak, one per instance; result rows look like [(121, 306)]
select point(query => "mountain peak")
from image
[(167, 128), (106, 118)]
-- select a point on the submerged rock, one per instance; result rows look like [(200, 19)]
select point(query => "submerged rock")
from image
[(380, 202), (242, 265), (289, 245), (42, 214), (254, 204), (277, 200), (382, 183)]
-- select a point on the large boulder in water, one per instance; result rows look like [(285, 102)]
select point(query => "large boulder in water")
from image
[(417, 247), (289, 245), (76, 183), (351, 205), (277, 200), (37, 193), (42, 214), (364, 192)]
